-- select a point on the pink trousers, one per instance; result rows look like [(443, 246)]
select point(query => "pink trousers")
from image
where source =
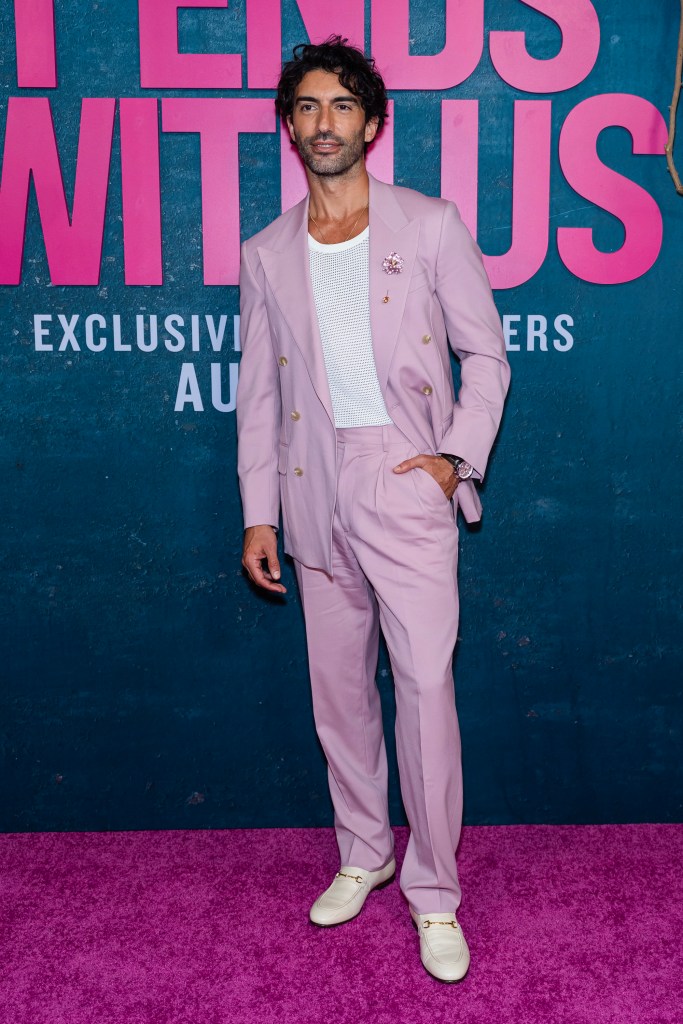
[(395, 553)]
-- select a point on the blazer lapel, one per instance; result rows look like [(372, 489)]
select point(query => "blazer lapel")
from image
[(287, 271), (390, 232)]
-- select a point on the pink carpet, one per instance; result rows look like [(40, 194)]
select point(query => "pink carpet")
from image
[(566, 924)]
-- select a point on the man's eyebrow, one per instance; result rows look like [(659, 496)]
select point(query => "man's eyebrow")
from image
[(337, 99)]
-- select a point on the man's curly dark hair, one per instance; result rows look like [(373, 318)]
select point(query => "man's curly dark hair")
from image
[(356, 72)]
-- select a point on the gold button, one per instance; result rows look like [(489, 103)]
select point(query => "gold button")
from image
[(426, 338), (426, 390), (283, 360), (298, 471), (295, 414)]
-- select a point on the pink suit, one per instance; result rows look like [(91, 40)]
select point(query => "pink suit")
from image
[(372, 547)]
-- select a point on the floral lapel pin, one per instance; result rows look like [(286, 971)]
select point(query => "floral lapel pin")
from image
[(392, 264)]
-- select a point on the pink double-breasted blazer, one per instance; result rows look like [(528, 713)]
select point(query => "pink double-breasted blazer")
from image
[(285, 425)]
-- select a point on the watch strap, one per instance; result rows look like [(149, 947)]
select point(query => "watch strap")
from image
[(454, 460)]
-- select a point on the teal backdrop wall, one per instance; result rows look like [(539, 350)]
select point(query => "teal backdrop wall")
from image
[(143, 682)]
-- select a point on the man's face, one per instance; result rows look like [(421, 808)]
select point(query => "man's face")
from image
[(328, 125)]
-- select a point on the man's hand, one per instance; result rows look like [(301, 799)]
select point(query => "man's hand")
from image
[(261, 542), (440, 469)]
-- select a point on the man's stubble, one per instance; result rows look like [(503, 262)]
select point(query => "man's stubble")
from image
[(351, 151)]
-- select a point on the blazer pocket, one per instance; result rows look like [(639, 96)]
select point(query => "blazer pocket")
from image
[(418, 281), (282, 458)]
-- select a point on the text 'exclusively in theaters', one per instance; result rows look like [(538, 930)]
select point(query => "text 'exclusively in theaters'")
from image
[(215, 386)]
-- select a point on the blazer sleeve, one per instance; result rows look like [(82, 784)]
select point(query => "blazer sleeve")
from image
[(258, 406), (476, 336)]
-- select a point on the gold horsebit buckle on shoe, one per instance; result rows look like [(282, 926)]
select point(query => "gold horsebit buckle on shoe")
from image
[(356, 878), (451, 924)]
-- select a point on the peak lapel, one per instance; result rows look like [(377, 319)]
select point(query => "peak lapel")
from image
[(390, 231), (287, 271)]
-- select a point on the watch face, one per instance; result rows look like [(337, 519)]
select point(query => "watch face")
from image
[(464, 470)]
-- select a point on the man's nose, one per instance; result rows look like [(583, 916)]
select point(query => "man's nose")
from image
[(324, 119)]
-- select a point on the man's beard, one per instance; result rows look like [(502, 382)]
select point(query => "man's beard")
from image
[(350, 152)]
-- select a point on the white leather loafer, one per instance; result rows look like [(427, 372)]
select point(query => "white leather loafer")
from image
[(443, 949), (344, 899)]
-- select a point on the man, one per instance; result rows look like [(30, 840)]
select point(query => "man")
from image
[(347, 416)]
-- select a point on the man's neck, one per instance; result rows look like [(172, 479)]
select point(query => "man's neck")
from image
[(336, 197)]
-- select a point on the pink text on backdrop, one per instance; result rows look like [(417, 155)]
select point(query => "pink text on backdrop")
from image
[(590, 178), (34, 22), (573, 63), (219, 121), (264, 33), (141, 191), (452, 66), (73, 245), (530, 182), (162, 66), (74, 248)]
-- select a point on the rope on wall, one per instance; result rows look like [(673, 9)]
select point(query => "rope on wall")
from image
[(669, 148)]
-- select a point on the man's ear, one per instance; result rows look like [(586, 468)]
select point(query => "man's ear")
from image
[(290, 127), (371, 129)]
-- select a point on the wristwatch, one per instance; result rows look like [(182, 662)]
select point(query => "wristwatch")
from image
[(463, 470)]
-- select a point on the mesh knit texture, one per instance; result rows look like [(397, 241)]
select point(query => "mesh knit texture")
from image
[(340, 279)]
